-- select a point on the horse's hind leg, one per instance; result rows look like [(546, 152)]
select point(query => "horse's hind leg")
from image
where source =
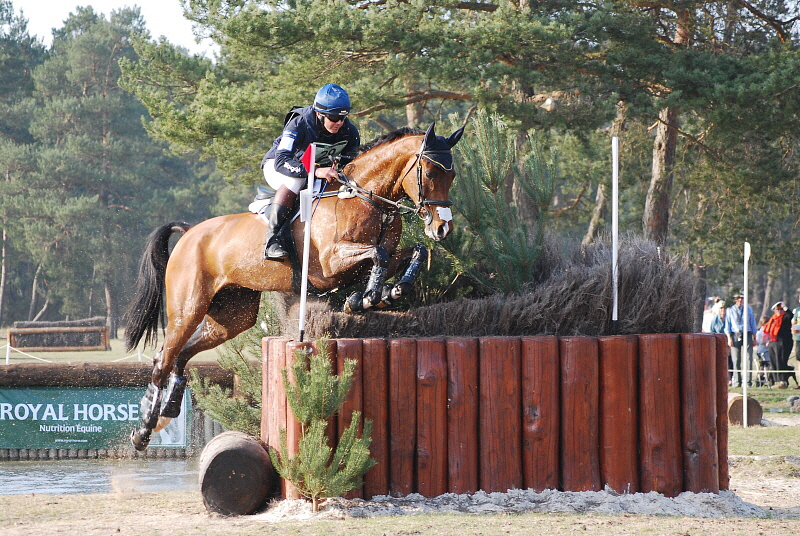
[(186, 307), (232, 311)]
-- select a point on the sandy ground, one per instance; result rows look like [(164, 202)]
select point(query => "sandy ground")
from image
[(764, 499), (755, 505)]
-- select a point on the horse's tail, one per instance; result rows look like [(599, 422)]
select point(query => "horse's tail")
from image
[(146, 311)]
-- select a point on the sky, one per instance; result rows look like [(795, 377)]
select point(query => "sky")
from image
[(162, 17)]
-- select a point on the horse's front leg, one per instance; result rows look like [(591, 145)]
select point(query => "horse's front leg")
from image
[(379, 295), (361, 301), (419, 256)]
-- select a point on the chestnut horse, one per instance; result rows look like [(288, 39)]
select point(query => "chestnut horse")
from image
[(211, 282)]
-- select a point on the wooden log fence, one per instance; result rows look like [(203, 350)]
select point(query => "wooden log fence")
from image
[(633, 413), (60, 339)]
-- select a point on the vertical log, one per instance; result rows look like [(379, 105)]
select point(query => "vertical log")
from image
[(659, 414), (541, 412), (462, 415), (721, 360), (265, 388), (580, 403), (402, 415), (351, 349), (431, 417), (275, 403), (619, 412), (699, 413), (294, 429), (500, 414), (376, 409)]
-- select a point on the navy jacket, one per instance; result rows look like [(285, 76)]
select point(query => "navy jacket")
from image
[(303, 129)]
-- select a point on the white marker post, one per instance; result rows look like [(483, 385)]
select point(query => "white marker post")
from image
[(615, 230), (306, 199), (745, 339)]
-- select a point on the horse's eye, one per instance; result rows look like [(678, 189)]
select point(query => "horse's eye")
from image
[(429, 175)]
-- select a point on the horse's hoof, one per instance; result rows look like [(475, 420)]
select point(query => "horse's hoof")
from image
[(140, 438), (354, 303)]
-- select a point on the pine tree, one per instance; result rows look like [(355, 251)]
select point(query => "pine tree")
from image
[(314, 396)]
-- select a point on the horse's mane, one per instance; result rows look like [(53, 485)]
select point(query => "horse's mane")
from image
[(391, 136)]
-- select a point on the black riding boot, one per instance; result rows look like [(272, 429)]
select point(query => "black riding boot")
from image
[(273, 249)]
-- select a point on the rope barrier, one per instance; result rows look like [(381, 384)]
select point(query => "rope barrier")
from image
[(9, 348)]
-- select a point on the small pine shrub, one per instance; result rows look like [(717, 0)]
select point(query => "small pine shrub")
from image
[(316, 394)]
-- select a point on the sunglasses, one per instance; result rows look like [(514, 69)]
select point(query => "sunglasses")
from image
[(334, 118)]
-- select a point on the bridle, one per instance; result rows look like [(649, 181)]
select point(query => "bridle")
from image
[(422, 207)]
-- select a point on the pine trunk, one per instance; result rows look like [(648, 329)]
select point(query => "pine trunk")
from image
[(655, 221)]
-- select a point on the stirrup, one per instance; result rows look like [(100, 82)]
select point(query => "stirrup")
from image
[(273, 251)]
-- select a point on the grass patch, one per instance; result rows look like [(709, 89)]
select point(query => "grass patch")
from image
[(763, 440), (117, 353), (768, 398)]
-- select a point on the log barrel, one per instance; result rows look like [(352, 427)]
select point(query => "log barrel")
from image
[(236, 474), (754, 411)]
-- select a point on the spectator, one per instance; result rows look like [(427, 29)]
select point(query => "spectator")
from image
[(708, 315), (762, 353), (718, 312), (778, 331), (793, 361), (734, 329)]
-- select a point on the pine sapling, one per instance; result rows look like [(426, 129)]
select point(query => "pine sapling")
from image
[(316, 471)]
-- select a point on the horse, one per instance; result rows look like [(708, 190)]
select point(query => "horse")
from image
[(209, 286)]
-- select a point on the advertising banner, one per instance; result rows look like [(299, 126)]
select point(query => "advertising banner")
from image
[(79, 418)]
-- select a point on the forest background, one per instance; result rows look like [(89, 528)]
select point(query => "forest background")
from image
[(108, 133)]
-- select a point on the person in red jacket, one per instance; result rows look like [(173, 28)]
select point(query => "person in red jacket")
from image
[(778, 330)]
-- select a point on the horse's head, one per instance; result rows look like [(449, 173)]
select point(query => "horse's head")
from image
[(434, 175)]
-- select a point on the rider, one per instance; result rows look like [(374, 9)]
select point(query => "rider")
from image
[(324, 123)]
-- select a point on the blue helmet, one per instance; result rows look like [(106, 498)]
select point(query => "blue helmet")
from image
[(333, 100)]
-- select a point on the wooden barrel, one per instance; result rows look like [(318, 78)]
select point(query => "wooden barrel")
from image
[(735, 407), (236, 474)]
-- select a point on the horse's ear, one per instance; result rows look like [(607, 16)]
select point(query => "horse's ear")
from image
[(454, 137), (430, 136)]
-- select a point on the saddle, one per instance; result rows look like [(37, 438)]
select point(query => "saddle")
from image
[(259, 206)]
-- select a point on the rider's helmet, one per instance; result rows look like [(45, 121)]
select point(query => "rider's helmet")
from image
[(332, 100)]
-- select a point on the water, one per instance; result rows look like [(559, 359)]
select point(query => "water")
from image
[(62, 477)]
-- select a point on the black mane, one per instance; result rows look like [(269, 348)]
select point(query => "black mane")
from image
[(391, 136)]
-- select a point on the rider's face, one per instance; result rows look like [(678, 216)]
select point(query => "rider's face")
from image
[(332, 126)]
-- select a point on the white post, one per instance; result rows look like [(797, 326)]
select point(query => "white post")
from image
[(8, 353), (745, 339), (306, 198), (615, 226)]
